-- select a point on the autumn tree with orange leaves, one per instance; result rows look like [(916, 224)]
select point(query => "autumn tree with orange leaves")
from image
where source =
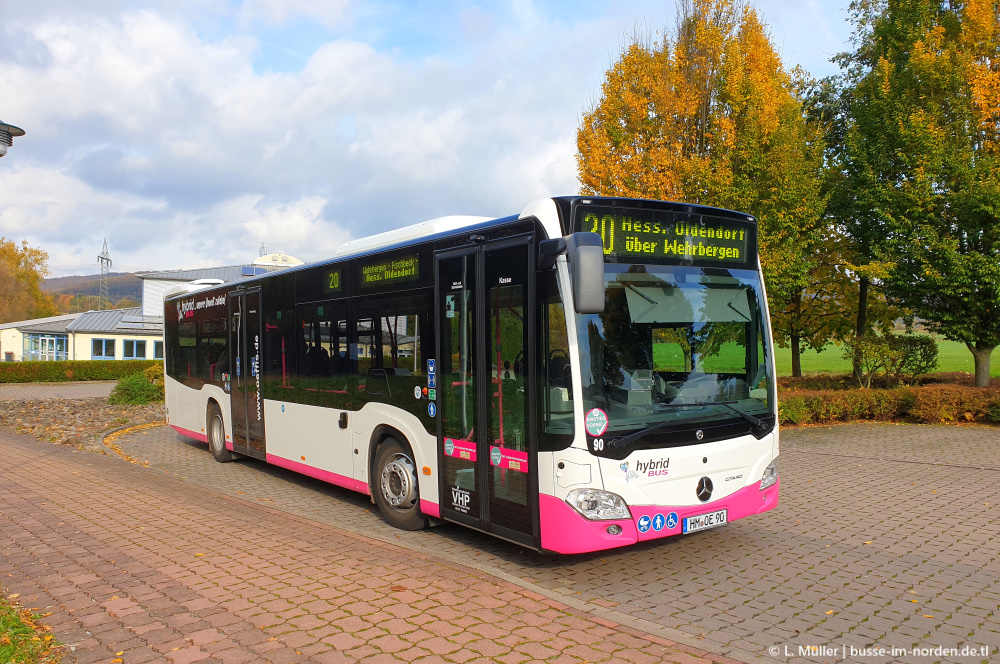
[(22, 269), (709, 115)]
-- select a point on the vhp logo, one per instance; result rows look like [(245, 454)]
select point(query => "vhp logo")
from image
[(460, 498)]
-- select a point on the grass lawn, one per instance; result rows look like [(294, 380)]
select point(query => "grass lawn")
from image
[(952, 356), (21, 640)]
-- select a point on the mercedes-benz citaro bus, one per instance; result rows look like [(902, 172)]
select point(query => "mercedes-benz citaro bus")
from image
[(587, 374)]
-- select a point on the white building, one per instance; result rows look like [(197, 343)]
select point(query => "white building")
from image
[(135, 333)]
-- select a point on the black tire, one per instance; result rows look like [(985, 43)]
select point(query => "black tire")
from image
[(217, 435), (395, 486)]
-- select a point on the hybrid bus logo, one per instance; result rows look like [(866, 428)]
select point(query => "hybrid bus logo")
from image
[(653, 468), (629, 474), (650, 468), (185, 309)]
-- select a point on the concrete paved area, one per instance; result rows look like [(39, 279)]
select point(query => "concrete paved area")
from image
[(137, 565), (71, 390), (888, 536)]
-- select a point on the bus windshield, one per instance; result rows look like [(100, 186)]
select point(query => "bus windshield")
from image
[(676, 345)]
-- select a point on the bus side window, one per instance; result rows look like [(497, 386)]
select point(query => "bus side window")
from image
[(279, 354), (387, 351), (321, 354), (555, 379)]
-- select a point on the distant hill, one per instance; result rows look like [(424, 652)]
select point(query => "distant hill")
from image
[(120, 284)]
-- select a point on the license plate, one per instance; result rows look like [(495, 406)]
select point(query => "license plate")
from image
[(703, 521)]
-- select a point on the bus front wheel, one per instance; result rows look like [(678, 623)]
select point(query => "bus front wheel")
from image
[(395, 486), (217, 435)]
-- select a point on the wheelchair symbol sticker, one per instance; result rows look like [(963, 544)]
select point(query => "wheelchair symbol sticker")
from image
[(643, 524), (672, 520)]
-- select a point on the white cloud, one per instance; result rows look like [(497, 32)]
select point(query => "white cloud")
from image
[(277, 12), (155, 129)]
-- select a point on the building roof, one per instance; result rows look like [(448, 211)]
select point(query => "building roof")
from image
[(230, 273), (226, 274), (50, 325), (118, 321)]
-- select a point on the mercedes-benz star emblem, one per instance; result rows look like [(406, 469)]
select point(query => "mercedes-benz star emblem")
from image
[(704, 489), (699, 434)]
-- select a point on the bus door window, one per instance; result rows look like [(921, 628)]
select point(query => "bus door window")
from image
[(456, 384), (506, 333)]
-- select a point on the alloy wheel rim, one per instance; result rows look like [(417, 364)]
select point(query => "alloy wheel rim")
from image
[(399, 479)]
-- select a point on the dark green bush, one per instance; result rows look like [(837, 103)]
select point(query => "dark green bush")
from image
[(68, 370), (913, 355), (136, 390), (899, 357)]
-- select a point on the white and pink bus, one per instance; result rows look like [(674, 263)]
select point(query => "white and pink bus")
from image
[(587, 374)]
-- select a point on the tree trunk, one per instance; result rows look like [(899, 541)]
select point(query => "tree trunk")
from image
[(796, 359), (982, 353), (862, 328)]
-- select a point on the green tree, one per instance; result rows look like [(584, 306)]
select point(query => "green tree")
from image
[(923, 159), (21, 272), (847, 296), (710, 115)]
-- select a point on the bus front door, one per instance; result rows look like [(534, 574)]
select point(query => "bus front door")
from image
[(245, 397), (486, 451)]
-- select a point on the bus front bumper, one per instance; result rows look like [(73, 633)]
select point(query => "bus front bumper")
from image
[(564, 530)]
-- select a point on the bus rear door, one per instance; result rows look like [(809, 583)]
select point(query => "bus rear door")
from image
[(245, 362)]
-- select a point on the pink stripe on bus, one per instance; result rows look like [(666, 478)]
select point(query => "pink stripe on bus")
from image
[(190, 434), (430, 509), (324, 475)]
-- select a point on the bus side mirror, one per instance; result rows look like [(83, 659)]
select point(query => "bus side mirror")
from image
[(586, 263)]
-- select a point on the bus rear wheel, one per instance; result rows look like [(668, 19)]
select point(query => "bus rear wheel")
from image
[(395, 487), (217, 436)]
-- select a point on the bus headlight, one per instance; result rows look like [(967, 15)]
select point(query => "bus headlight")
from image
[(770, 475), (598, 505)]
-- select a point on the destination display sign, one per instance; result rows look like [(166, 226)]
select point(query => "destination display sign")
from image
[(332, 282), (396, 270), (652, 236)]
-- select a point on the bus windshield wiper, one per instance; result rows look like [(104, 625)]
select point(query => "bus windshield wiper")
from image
[(642, 433)]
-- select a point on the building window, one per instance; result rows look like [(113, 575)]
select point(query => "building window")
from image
[(134, 350), (158, 350), (45, 347), (102, 349)]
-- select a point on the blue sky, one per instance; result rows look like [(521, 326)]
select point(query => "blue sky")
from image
[(187, 132)]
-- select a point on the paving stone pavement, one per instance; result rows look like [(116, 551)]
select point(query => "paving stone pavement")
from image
[(887, 536), (71, 390), (135, 565)]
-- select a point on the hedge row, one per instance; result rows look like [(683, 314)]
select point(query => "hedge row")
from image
[(929, 404), (67, 370)]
